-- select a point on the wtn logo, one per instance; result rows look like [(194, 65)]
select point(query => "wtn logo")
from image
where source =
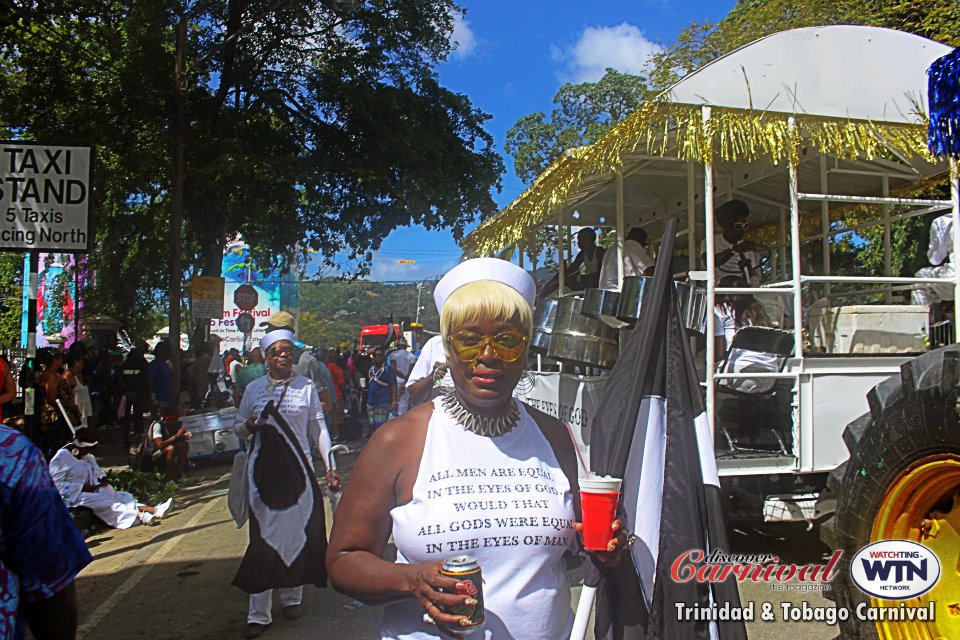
[(903, 570), (895, 569)]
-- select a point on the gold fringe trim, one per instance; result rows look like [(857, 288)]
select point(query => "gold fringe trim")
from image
[(732, 135)]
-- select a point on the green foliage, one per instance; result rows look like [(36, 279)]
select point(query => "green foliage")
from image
[(318, 123), (11, 303), (147, 488), (583, 113), (333, 310)]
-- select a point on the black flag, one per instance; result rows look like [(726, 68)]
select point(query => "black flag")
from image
[(652, 431), (391, 332)]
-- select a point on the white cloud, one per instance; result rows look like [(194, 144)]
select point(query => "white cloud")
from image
[(622, 47), (462, 38)]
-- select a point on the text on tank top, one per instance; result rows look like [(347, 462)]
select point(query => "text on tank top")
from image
[(504, 501)]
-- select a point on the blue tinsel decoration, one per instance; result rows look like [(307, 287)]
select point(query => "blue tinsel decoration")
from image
[(944, 95)]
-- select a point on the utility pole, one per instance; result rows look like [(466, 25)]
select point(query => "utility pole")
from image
[(176, 210), (419, 289)]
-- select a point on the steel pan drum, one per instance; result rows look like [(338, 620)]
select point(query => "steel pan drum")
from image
[(543, 318), (693, 306), (579, 339), (600, 302), (631, 297), (692, 301)]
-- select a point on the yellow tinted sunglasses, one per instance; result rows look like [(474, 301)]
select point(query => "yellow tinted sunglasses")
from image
[(509, 346)]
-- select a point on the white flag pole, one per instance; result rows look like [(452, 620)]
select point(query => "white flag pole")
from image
[(63, 412), (584, 607)]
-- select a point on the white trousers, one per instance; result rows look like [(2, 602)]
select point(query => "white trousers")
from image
[(261, 603), (927, 294)]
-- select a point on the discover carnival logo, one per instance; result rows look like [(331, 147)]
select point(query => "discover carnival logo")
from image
[(895, 569)]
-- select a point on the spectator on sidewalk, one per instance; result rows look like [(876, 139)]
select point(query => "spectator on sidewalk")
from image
[(53, 431), (170, 437), (430, 376), (8, 389), (82, 483), (401, 362), (42, 549), (136, 389), (337, 375), (158, 371), (278, 412), (81, 392), (248, 373), (383, 390)]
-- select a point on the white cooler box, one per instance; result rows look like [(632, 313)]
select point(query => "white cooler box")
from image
[(212, 433), (881, 328)]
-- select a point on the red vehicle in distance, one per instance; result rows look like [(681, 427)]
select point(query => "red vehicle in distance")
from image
[(374, 335)]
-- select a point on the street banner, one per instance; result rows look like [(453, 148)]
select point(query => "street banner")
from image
[(57, 301), (238, 272), (570, 398), (44, 197)]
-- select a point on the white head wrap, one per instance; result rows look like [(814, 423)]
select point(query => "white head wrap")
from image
[(80, 444), (275, 336), (485, 269)]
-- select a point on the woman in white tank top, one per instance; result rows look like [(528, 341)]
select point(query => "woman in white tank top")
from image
[(470, 473)]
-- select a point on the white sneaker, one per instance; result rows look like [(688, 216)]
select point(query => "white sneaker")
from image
[(161, 509), (146, 517)]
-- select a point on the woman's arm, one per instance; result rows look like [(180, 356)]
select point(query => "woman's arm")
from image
[(383, 478)]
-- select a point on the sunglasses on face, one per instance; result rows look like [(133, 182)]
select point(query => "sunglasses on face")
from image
[(509, 346), (740, 226), (278, 351)]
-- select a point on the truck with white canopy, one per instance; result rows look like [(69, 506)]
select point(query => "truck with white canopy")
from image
[(821, 131)]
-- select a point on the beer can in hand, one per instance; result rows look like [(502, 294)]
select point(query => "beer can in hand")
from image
[(467, 572)]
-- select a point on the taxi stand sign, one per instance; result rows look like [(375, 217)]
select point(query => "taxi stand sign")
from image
[(206, 297), (44, 197)]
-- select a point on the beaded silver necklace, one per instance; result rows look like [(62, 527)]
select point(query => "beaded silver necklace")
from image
[(489, 426)]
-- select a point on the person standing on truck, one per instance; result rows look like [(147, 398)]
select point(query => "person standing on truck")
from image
[(940, 255), (636, 260), (584, 271), (733, 255)]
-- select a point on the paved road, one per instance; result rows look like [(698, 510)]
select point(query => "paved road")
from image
[(173, 580)]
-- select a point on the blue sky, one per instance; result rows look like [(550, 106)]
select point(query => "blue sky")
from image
[(512, 58)]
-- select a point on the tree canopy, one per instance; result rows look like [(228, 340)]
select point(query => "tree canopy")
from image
[(321, 124), (584, 112)]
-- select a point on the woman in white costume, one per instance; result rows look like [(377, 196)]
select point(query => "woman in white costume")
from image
[(280, 413), (82, 483), (473, 472)]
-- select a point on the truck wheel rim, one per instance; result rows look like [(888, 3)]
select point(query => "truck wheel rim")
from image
[(928, 491)]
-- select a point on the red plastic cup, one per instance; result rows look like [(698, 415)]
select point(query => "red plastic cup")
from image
[(598, 501)]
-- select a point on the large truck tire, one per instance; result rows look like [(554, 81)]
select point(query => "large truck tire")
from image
[(902, 481)]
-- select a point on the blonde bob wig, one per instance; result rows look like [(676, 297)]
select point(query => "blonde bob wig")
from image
[(484, 299)]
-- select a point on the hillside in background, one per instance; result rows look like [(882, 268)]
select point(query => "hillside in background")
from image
[(333, 311)]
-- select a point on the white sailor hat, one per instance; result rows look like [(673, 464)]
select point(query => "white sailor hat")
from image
[(485, 269), (275, 336)]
